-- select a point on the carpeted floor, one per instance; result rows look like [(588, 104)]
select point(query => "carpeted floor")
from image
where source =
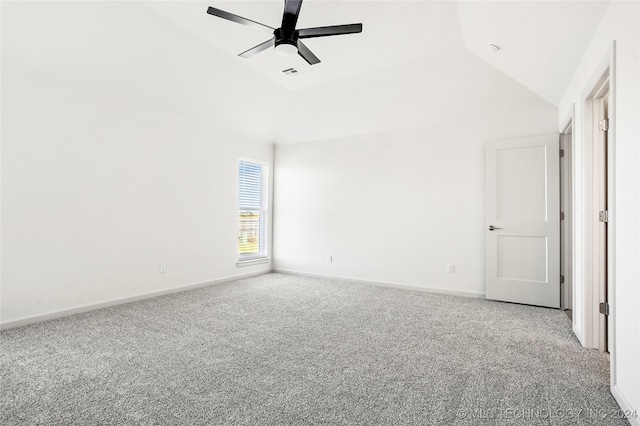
[(281, 349)]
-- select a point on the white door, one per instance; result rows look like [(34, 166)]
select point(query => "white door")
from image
[(523, 221)]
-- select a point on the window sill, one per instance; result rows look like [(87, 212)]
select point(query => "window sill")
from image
[(251, 262)]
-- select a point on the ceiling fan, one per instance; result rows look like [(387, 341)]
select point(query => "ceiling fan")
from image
[(287, 39)]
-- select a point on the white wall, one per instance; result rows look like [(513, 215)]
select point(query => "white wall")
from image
[(620, 23), (104, 176), (398, 206)]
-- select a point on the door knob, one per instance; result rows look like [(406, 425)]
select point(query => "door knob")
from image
[(493, 228)]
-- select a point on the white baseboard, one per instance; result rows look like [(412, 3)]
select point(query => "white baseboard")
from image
[(92, 307), (386, 284), (625, 406)]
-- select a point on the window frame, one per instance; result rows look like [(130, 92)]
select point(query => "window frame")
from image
[(263, 209)]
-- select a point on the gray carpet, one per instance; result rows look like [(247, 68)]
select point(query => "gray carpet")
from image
[(280, 349)]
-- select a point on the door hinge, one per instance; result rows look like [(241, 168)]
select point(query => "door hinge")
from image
[(603, 216), (604, 125), (561, 215), (561, 279), (561, 153), (604, 308)]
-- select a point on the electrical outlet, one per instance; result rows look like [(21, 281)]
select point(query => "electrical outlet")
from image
[(451, 269), (163, 268)]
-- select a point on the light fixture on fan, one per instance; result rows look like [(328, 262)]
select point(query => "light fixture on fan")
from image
[(286, 49)]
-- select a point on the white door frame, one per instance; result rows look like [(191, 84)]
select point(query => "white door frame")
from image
[(567, 143), (586, 290)]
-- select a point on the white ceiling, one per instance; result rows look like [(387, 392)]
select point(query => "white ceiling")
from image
[(415, 61), (542, 40), (393, 32)]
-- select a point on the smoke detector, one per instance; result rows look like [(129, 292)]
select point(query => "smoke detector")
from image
[(494, 47)]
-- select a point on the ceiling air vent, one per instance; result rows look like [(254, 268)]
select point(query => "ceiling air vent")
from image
[(291, 72)]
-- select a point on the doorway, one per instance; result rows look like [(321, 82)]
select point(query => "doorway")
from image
[(597, 212)]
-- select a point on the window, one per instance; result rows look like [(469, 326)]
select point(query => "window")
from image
[(252, 211)]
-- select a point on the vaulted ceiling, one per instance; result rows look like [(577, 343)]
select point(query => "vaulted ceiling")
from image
[(414, 59), (542, 41)]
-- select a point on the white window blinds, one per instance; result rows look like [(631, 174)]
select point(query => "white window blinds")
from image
[(250, 188)]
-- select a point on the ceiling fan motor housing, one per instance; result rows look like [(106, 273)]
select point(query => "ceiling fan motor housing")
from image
[(281, 38)]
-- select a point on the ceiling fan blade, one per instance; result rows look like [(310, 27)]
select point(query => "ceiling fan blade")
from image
[(257, 49), (290, 16), (330, 31), (307, 54), (238, 19)]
